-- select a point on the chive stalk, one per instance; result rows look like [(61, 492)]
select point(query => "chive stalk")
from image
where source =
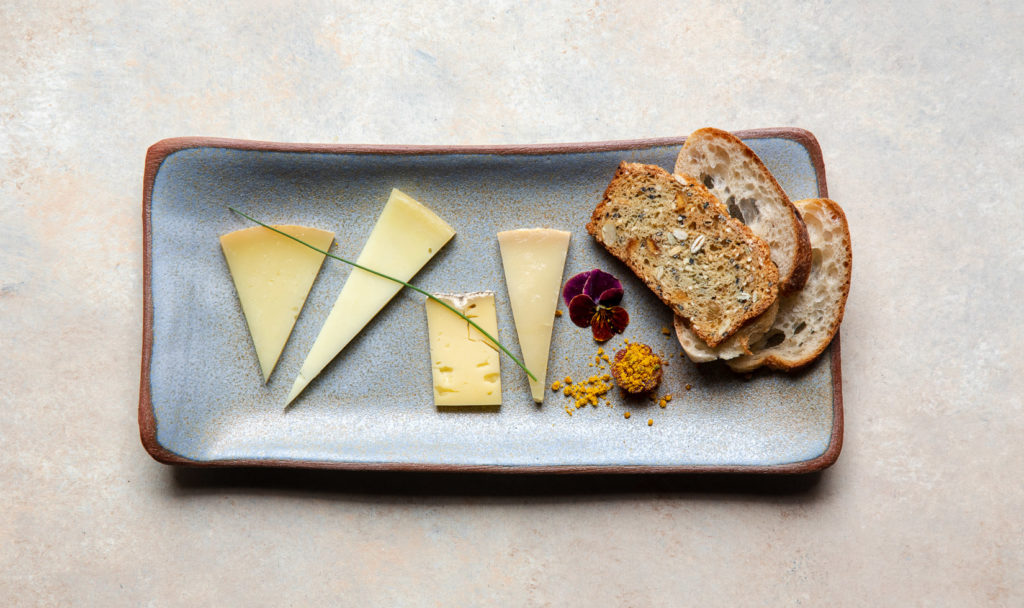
[(390, 278)]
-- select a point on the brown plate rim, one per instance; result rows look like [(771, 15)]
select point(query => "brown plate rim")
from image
[(147, 417)]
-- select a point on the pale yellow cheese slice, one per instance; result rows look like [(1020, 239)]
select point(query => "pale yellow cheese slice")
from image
[(533, 261), (406, 236), (464, 363), (273, 275)]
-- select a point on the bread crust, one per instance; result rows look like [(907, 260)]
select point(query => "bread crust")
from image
[(756, 269), (736, 345), (800, 268), (832, 212)]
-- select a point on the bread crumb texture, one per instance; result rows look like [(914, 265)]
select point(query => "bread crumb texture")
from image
[(734, 174), (736, 345), (681, 241), (807, 320)]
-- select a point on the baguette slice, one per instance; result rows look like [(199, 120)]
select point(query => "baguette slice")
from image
[(734, 346), (707, 266), (734, 174), (808, 320)]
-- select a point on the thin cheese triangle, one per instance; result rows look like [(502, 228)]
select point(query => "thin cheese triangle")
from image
[(533, 261), (273, 275), (406, 236)]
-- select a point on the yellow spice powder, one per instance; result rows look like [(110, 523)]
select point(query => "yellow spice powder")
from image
[(637, 368), (587, 392)]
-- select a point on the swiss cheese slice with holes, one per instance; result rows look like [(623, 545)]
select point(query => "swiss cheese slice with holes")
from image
[(464, 363)]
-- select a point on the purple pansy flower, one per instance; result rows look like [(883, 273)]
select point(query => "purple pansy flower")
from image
[(593, 300)]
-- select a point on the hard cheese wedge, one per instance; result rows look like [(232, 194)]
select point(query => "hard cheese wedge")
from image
[(463, 361), (406, 236), (273, 275), (533, 262)]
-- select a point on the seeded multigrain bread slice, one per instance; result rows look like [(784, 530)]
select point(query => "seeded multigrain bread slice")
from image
[(807, 321), (734, 346), (738, 178), (707, 266)]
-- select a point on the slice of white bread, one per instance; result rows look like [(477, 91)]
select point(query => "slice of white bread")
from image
[(734, 346), (707, 266), (734, 174), (807, 320)]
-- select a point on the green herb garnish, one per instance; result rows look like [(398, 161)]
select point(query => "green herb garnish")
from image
[(390, 278)]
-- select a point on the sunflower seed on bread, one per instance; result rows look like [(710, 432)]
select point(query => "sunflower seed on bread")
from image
[(738, 178), (681, 241), (807, 320)]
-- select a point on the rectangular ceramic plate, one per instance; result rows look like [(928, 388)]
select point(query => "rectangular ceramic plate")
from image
[(202, 399)]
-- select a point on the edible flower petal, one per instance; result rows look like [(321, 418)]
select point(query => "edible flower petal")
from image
[(593, 299), (607, 322), (581, 310), (574, 287), (600, 282), (610, 297), (593, 283)]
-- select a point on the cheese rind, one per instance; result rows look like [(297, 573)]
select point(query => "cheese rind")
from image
[(464, 363), (273, 275), (405, 237), (533, 261)]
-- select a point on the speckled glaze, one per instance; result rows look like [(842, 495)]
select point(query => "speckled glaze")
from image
[(202, 399)]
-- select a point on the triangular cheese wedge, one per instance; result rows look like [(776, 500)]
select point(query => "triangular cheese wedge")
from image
[(273, 275), (406, 236), (533, 262)]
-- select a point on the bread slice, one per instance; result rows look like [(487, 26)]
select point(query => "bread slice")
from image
[(734, 174), (734, 346), (707, 266), (807, 321)]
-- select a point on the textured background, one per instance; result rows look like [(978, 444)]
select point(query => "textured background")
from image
[(917, 111)]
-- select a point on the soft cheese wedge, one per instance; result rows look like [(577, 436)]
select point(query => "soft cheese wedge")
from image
[(463, 361), (273, 275), (533, 261), (406, 236)]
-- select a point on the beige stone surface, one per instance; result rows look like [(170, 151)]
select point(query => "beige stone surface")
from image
[(916, 106)]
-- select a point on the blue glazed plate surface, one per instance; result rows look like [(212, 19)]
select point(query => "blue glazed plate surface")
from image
[(203, 399)]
